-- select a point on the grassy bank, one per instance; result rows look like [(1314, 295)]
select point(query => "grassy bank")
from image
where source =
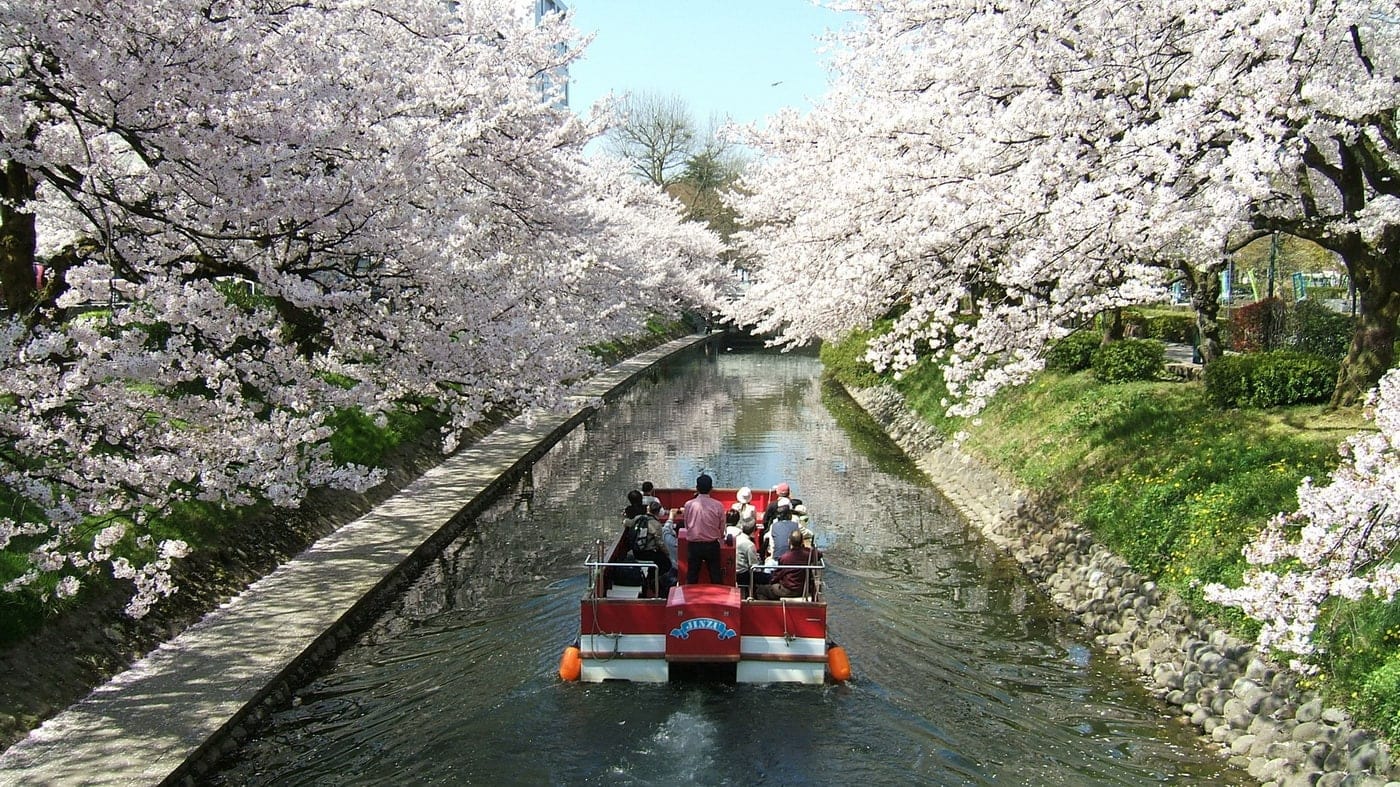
[(1173, 485)]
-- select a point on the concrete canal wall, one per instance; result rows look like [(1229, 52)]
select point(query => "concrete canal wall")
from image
[(194, 699), (1248, 707)]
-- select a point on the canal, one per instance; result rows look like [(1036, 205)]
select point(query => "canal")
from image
[(964, 673)]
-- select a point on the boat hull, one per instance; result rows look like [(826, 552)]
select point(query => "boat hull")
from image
[(642, 639)]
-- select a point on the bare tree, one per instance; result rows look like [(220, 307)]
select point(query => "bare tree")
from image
[(655, 133)]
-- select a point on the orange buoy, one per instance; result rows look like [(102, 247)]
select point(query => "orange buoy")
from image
[(571, 664), (837, 663)]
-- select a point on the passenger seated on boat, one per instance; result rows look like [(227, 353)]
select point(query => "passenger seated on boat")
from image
[(743, 506), (731, 525), (669, 536), (809, 540), (746, 558), (780, 491), (669, 541), (634, 507), (649, 546), (790, 582), (648, 494), (781, 529)]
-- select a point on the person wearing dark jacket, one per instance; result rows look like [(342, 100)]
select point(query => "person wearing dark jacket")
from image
[(790, 582), (634, 508)]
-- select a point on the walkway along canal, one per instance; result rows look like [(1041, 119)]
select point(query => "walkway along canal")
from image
[(964, 672)]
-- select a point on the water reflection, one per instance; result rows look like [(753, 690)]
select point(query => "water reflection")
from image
[(964, 674)]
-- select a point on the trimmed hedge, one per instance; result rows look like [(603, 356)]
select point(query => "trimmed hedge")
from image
[(1258, 326), (1328, 293), (1179, 328), (1315, 328), (1128, 360), (1270, 379), (1073, 353)]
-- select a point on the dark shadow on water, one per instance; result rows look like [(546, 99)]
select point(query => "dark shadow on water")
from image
[(866, 436)]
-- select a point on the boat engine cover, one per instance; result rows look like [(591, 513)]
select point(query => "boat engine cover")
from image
[(703, 623)]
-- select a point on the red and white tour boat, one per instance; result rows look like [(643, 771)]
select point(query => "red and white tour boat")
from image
[(646, 633)]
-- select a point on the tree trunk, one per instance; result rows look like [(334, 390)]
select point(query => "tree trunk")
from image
[(18, 241), (1112, 326), (1372, 352), (1203, 287)]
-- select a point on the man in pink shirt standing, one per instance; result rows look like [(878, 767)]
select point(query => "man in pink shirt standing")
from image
[(704, 528)]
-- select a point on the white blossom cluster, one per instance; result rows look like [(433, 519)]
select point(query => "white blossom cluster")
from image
[(1342, 542), (992, 175), (259, 213)]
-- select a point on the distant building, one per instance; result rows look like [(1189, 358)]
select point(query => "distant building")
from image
[(558, 82)]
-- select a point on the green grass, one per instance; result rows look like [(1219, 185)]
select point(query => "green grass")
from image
[(1177, 488), (658, 331), (359, 440), (844, 360)]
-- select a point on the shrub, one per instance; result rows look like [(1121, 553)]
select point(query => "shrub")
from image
[(1227, 380), (1381, 695), (1328, 293), (1258, 326), (1074, 352), (1172, 328), (1127, 360), (1287, 377), (1315, 328), (1270, 379)]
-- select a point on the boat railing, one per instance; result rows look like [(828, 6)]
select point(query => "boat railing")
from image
[(597, 569), (599, 581)]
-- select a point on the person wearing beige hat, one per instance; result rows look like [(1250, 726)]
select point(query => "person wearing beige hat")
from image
[(742, 508)]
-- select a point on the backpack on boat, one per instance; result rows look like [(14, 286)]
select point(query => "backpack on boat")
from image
[(646, 535)]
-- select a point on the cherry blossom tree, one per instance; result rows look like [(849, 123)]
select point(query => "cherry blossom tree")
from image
[(250, 214), (994, 174), (969, 173)]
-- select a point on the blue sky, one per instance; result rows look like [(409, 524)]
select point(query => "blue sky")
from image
[(720, 56)]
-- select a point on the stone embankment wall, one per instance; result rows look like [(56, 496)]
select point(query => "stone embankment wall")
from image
[(1253, 709)]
